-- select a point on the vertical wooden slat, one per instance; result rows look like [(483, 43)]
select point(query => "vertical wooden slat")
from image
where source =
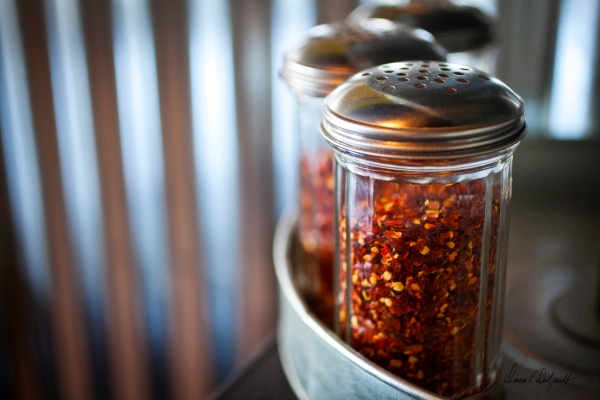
[(251, 30), (129, 369), (143, 166), (188, 343), (24, 186), (16, 306), (72, 356), (216, 167), (594, 125)]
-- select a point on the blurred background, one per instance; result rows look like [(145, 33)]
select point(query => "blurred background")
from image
[(147, 151)]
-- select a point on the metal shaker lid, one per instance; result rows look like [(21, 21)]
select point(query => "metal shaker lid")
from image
[(457, 28), (423, 110), (334, 52)]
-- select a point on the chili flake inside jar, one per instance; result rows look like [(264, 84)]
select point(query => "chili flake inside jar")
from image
[(416, 254), (317, 229)]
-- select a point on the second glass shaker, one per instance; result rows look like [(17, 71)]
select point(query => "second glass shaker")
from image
[(329, 55)]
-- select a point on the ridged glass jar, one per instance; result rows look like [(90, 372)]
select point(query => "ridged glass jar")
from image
[(423, 174)]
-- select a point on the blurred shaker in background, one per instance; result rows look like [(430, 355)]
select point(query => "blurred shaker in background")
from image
[(313, 69)]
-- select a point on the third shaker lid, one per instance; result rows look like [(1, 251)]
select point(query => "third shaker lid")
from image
[(458, 28), (334, 52), (423, 109)]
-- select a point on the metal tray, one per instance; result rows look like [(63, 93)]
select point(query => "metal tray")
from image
[(318, 364)]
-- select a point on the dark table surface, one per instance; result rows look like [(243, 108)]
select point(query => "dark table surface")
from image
[(261, 378)]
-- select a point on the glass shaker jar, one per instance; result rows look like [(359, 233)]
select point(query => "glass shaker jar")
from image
[(465, 32), (423, 172), (329, 55)]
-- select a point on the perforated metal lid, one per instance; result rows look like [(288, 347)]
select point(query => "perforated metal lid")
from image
[(457, 28), (423, 109), (336, 51)]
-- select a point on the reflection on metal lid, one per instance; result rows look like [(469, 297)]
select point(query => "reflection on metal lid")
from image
[(423, 107)]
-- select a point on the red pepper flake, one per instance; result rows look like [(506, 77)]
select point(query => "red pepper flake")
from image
[(417, 252), (316, 229), (413, 348)]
